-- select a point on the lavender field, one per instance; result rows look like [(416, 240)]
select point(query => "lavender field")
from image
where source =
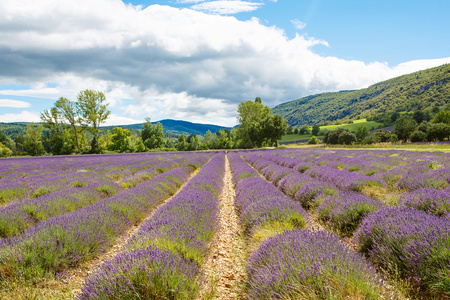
[(313, 224)]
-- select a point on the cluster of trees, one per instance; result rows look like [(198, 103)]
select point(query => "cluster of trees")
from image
[(315, 130), (74, 127), (68, 122), (407, 128), (438, 129)]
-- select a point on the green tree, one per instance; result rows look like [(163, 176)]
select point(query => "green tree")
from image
[(223, 140), (5, 151), (347, 137), (442, 116), (51, 120), (305, 130), (207, 139), (140, 147), (93, 109), (438, 132), (119, 140), (194, 142), (258, 125), (182, 143), (361, 133), (381, 136), (313, 140), (315, 130), (404, 126), (33, 140), (69, 111), (418, 136), (152, 134)]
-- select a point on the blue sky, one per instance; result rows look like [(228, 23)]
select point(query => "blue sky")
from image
[(196, 60)]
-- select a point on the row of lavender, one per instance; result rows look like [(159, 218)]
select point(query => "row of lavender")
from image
[(401, 170), (286, 260), (62, 242), (163, 260), (410, 240), (29, 178), (21, 215)]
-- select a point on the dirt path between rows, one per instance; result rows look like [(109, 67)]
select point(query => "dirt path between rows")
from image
[(75, 278), (224, 270)]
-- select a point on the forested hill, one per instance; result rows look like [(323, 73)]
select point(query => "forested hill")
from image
[(172, 126), (178, 127), (424, 90)]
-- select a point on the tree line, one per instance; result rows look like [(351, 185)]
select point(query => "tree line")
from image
[(73, 127), (415, 127)]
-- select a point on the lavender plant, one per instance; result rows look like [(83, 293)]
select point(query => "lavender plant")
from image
[(433, 201), (301, 264), (162, 260), (344, 212), (409, 243), (62, 242)]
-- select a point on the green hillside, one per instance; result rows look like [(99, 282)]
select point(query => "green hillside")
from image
[(424, 90)]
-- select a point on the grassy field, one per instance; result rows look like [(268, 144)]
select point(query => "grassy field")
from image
[(382, 146), (352, 127), (294, 137)]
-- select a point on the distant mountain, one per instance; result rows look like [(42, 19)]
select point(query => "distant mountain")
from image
[(177, 127), (170, 126), (421, 90)]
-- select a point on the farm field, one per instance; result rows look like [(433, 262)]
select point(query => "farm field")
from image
[(258, 224)]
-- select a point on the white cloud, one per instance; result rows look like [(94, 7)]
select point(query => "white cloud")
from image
[(298, 24), (14, 103), (24, 116), (173, 63), (229, 7), (114, 120)]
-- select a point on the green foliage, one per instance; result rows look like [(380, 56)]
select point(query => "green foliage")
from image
[(182, 143), (313, 141), (120, 140), (5, 151), (339, 136), (315, 130), (438, 132), (33, 140), (258, 126), (347, 138), (361, 133), (418, 136), (404, 126), (425, 91), (92, 108), (442, 117), (152, 134)]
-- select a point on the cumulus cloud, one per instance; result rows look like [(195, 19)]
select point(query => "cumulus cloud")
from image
[(22, 116), (226, 7), (298, 24), (14, 103), (172, 63)]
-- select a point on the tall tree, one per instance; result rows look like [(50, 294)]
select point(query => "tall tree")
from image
[(152, 134), (182, 143), (33, 140), (404, 126), (258, 125), (51, 120), (93, 109), (119, 141), (69, 111), (442, 117)]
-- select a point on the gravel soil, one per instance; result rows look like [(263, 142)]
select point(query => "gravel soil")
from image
[(224, 270)]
